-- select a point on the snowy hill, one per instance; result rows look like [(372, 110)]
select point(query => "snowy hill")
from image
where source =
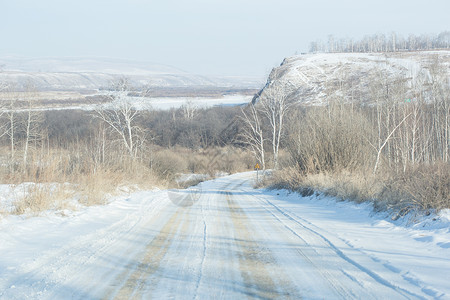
[(324, 76), (86, 65), (94, 73)]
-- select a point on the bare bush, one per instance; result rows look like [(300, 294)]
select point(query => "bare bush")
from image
[(328, 140), (424, 188), (166, 164), (221, 159), (38, 197)]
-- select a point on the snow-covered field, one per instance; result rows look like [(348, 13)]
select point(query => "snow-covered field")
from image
[(160, 103), (166, 103), (233, 242)]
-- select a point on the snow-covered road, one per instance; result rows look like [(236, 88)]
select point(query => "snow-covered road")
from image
[(234, 242)]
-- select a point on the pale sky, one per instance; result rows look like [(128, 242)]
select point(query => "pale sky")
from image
[(209, 37)]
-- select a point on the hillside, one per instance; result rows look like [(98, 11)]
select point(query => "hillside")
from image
[(317, 78), (93, 73)]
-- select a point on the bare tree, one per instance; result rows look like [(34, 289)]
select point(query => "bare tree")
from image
[(380, 147), (440, 88), (3, 126), (10, 112), (382, 43), (275, 101), (189, 109), (121, 118), (394, 41), (253, 133), (3, 86), (31, 123)]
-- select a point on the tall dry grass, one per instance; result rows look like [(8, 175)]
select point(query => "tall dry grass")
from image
[(424, 187), (38, 197), (57, 176), (422, 190), (343, 185)]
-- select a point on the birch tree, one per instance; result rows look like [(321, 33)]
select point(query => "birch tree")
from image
[(31, 123), (10, 113), (275, 102), (189, 109), (121, 118), (440, 88), (3, 125), (382, 144), (253, 133)]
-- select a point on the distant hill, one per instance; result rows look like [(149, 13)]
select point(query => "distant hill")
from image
[(95, 73), (318, 78)]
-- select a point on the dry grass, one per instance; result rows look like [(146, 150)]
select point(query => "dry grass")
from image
[(37, 198), (423, 189), (356, 186), (93, 182), (226, 159), (94, 188), (343, 185)]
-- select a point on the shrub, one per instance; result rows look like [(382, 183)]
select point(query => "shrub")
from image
[(167, 163), (425, 187), (325, 140)]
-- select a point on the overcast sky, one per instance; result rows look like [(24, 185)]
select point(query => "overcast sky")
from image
[(211, 37)]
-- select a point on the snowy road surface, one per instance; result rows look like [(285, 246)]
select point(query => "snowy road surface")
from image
[(234, 242)]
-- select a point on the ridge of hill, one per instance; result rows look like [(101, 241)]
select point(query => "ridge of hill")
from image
[(94, 73), (320, 77)]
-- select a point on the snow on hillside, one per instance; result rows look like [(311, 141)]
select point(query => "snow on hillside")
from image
[(317, 76), (85, 65), (94, 73)]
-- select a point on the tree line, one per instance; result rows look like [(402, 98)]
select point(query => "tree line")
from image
[(113, 135), (381, 42)]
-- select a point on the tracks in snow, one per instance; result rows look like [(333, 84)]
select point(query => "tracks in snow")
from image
[(317, 245), (132, 283), (256, 263), (234, 242), (50, 274)]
